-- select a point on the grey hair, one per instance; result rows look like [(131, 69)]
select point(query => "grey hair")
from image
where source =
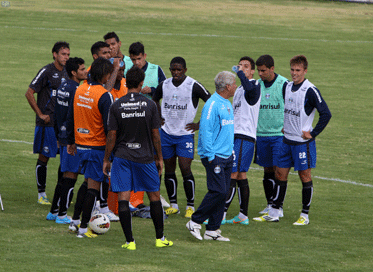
[(223, 79)]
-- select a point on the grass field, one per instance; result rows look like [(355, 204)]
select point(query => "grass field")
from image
[(211, 35)]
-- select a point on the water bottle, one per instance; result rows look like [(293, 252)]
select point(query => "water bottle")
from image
[(235, 68)]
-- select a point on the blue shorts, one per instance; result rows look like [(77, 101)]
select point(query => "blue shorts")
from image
[(182, 146), (127, 175), (69, 163), (301, 157), (267, 150), (243, 155), (92, 163), (45, 141)]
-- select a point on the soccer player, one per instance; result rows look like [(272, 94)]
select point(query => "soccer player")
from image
[(270, 124), (86, 131), (70, 165), (180, 95), (154, 74), (246, 104), (298, 148), (101, 49), (45, 84), (133, 126), (112, 39), (215, 147)]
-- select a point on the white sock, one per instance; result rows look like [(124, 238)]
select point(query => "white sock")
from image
[(242, 216), (187, 207), (76, 222), (224, 215), (304, 215), (82, 230), (42, 194), (173, 205), (104, 210), (274, 212)]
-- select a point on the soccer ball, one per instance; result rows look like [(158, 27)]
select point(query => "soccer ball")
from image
[(99, 223)]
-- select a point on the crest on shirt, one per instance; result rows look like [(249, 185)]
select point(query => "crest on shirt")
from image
[(174, 97), (267, 96), (291, 100), (229, 110), (56, 75), (217, 169)]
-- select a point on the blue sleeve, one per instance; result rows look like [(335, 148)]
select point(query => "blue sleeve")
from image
[(314, 100), (207, 128), (104, 105), (252, 88), (70, 123)]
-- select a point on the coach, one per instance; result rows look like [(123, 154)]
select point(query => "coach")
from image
[(215, 147)]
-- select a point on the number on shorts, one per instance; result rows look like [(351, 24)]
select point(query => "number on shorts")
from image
[(189, 145), (302, 155)]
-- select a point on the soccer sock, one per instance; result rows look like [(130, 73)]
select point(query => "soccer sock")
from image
[(156, 213), (56, 196), (59, 173), (230, 195), (189, 188), (307, 193), (88, 204), (41, 175), (104, 192), (125, 219), (82, 192), (280, 193), (170, 181), (66, 195), (243, 195), (269, 186)]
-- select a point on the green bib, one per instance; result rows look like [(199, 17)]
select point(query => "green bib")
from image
[(271, 113), (151, 77)]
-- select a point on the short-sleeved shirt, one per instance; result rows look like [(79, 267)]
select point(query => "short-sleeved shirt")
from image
[(134, 116), (45, 84)]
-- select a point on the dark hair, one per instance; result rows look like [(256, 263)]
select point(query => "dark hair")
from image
[(100, 68), (134, 77), (178, 60), (136, 49), (96, 47), (111, 35), (266, 60), (73, 65), (60, 45), (252, 62), (299, 59)]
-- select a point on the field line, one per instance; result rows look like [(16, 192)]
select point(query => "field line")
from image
[(188, 35)]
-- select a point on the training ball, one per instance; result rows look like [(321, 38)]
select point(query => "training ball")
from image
[(99, 223)]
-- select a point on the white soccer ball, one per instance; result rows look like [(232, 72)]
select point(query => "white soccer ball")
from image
[(99, 223)]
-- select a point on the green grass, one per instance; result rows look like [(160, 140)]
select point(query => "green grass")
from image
[(211, 35)]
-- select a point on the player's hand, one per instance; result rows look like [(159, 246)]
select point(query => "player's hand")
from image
[(283, 131), (146, 90), (45, 118), (106, 167), (240, 67), (71, 149), (306, 135), (162, 121), (159, 164), (192, 127)]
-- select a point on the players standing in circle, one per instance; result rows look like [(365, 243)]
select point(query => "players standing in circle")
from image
[(70, 165), (45, 84), (298, 148), (270, 124), (86, 130), (154, 74), (180, 95), (112, 39), (215, 147), (246, 103), (133, 136)]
